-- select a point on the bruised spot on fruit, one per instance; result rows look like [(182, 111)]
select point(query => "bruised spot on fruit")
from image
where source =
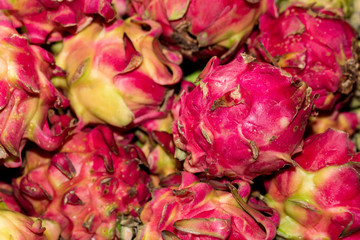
[(295, 128), (272, 138), (229, 99)]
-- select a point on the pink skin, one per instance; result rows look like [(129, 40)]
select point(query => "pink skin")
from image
[(305, 38), (256, 127), (26, 98), (48, 21), (7, 196), (88, 176), (202, 26), (194, 210), (332, 166)]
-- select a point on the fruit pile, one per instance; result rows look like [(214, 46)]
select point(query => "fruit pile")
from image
[(179, 119)]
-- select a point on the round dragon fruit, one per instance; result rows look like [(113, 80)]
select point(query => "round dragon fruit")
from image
[(26, 95), (320, 198), (118, 74), (243, 120), (195, 210), (313, 45), (204, 28), (49, 21), (89, 187)]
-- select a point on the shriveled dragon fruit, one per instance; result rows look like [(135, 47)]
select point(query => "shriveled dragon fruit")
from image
[(320, 198), (314, 45), (205, 28), (195, 210), (17, 226), (243, 120), (118, 74), (26, 95), (49, 21), (91, 187)]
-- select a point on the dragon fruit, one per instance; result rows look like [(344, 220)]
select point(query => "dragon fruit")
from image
[(17, 226), (26, 95), (49, 21), (204, 28), (130, 86), (243, 120), (195, 210), (157, 144), (156, 140), (341, 120), (320, 198), (90, 187), (340, 7), (298, 40)]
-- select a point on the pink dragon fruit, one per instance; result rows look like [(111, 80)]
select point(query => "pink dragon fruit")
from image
[(118, 89), (156, 140), (320, 198), (243, 120), (195, 210), (17, 226), (90, 187), (204, 28), (299, 39), (49, 21), (26, 95)]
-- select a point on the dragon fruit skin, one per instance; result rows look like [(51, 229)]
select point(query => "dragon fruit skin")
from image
[(299, 50), (7, 197), (129, 87), (341, 120), (49, 21), (86, 186), (202, 31), (243, 120), (319, 199), (17, 226), (340, 7), (26, 96), (195, 210)]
